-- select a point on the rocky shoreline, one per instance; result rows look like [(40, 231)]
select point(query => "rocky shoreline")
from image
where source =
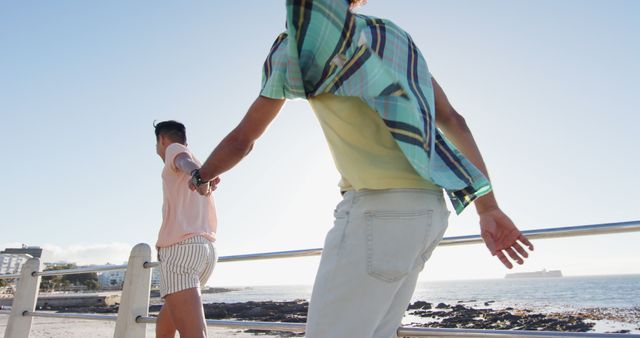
[(461, 316), (420, 314)]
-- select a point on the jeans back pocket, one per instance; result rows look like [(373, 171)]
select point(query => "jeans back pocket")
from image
[(395, 240)]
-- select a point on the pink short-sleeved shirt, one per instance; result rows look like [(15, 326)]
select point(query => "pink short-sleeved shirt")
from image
[(185, 213)]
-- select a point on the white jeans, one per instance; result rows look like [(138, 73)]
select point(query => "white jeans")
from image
[(372, 256)]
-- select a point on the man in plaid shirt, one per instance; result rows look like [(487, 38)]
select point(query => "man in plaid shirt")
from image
[(399, 146)]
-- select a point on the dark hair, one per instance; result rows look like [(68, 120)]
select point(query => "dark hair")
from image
[(174, 130)]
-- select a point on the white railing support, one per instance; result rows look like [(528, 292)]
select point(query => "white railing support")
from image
[(135, 295), (24, 300)]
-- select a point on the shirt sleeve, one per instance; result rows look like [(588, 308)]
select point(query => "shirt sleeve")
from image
[(274, 70), (173, 150)]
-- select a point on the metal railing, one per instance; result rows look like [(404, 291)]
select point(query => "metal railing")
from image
[(88, 269), (133, 313), (573, 231)]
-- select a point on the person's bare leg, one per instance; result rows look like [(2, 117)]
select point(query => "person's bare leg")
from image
[(164, 326), (187, 314)]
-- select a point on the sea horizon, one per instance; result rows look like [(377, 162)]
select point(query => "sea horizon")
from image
[(229, 286)]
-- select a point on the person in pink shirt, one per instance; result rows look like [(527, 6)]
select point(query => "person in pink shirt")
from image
[(185, 243)]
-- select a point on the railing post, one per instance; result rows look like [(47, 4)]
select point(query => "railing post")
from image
[(24, 300), (134, 301)]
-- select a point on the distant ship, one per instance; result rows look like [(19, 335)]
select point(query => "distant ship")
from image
[(535, 274)]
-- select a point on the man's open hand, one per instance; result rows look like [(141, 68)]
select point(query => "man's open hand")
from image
[(502, 236)]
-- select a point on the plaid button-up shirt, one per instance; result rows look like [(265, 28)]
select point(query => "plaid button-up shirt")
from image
[(329, 49)]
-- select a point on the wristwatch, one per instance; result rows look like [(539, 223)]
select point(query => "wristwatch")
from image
[(196, 179)]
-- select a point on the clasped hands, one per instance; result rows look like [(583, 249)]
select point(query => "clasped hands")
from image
[(206, 188)]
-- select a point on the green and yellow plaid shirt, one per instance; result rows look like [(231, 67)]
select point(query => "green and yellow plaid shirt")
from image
[(329, 49)]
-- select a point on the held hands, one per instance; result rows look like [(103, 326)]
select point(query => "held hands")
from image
[(502, 236), (206, 188), (203, 189)]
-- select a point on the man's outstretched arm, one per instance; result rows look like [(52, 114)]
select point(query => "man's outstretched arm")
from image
[(239, 142), (498, 231)]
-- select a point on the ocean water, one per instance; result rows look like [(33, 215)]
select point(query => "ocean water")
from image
[(540, 294)]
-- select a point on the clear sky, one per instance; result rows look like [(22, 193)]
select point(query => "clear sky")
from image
[(548, 87)]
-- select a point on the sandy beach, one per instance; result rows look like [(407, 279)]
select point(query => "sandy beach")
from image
[(74, 328)]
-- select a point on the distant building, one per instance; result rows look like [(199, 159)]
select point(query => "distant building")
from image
[(11, 264), (155, 278), (111, 280), (12, 259), (33, 251), (114, 280)]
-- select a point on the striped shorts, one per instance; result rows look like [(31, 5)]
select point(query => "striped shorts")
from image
[(186, 264)]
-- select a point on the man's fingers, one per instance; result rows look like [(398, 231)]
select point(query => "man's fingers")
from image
[(504, 259), (213, 184), (520, 250), (514, 256), (523, 239)]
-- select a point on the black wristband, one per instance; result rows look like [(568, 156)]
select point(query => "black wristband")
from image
[(196, 179)]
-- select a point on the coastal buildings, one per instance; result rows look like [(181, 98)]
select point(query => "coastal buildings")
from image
[(155, 278), (10, 264), (113, 280), (12, 259)]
